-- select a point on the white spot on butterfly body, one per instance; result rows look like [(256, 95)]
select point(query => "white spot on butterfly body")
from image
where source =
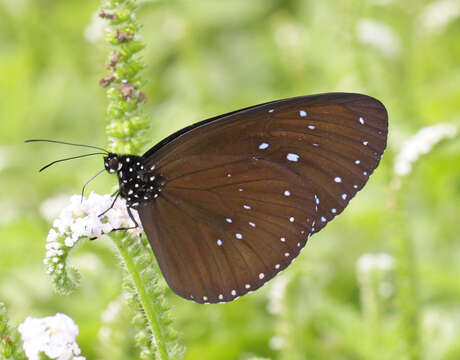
[(247, 207), (303, 113), (344, 196), (361, 120), (292, 157), (152, 178), (128, 159), (152, 167), (120, 165), (357, 162), (261, 276), (238, 236), (229, 220), (292, 219), (263, 146), (312, 127), (338, 179), (219, 242), (287, 193), (233, 292)]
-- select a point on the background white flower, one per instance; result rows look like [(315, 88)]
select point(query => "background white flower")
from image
[(378, 35), (55, 336), (421, 143)]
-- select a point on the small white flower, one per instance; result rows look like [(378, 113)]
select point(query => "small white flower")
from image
[(276, 294), (95, 30), (378, 35), (421, 143), (369, 262), (438, 14), (55, 336)]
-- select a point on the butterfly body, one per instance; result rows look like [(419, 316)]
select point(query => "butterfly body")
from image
[(229, 202), (138, 184)]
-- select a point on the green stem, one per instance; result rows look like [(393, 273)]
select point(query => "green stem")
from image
[(147, 305)]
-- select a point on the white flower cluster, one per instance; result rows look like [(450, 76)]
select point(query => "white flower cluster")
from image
[(378, 35), (369, 265), (54, 336), (276, 294), (370, 262), (439, 14), (421, 143), (81, 219)]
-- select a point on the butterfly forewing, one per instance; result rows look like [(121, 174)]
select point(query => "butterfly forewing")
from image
[(244, 191)]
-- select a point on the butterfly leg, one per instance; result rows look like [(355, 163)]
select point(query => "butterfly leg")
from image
[(131, 216), (113, 203)]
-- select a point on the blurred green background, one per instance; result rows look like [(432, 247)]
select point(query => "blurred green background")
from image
[(207, 57)]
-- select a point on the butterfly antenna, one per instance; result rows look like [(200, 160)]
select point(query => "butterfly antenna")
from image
[(66, 143), (69, 158), (86, 183)]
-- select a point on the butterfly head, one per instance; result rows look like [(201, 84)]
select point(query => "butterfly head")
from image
[(112, 163)]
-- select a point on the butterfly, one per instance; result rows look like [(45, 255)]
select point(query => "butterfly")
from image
[(229, 202)]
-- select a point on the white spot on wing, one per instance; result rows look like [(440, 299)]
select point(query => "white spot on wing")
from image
[(344, 196), (302, 113), (271, 110), (252, 224), (292, 219), (263, 146), (287, 193), (219, 242), (229, 220), (357, 162), (361, 120), (338, 179), (261, 276), (365, 143), (233, 292), (312, 127), (247, 207), (283, 239), (238, 236), (292, 157)]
